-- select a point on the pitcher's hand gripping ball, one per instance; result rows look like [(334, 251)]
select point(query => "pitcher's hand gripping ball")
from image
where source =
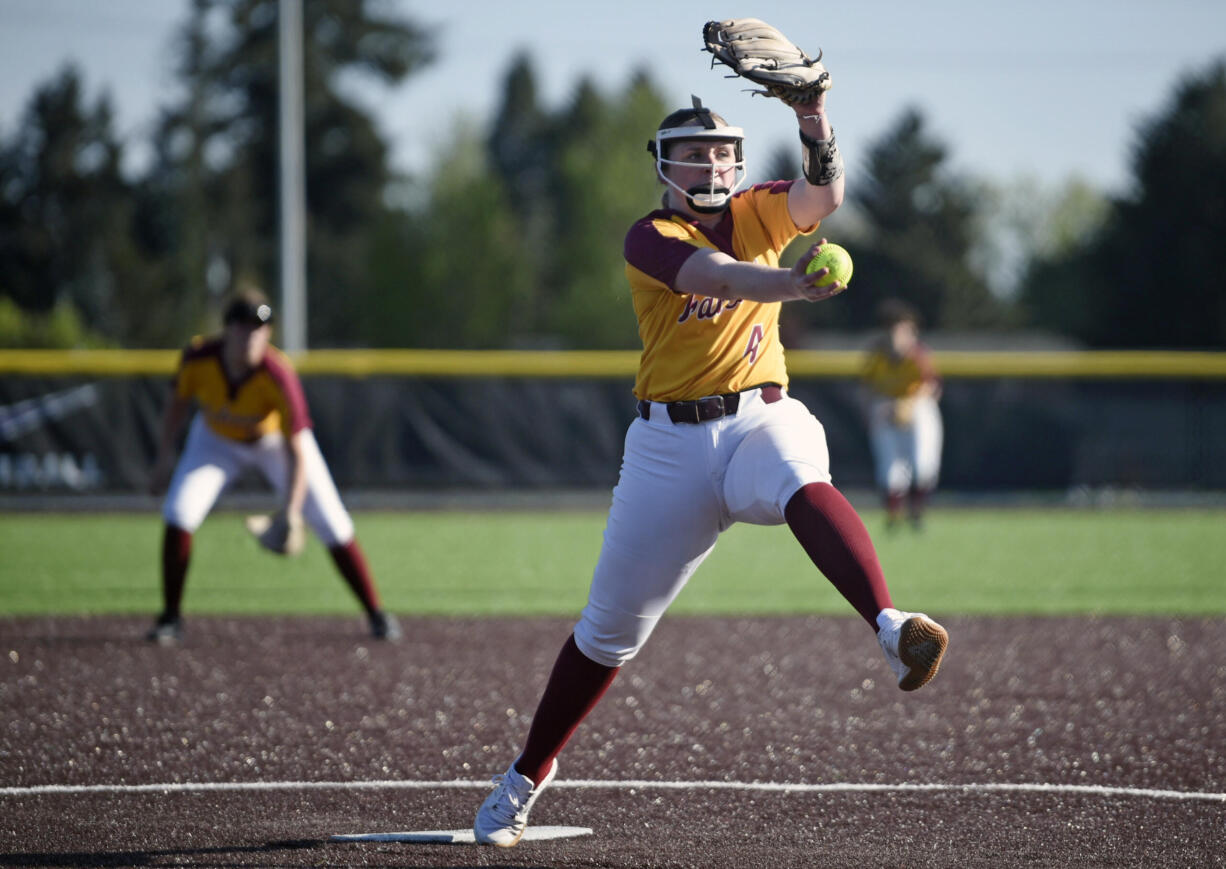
[(756, 51), (277, 534), (835, 258)]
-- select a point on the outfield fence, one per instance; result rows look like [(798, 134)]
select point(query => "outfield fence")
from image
[(87, 421)]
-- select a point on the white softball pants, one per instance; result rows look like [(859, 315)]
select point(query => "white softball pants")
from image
[(681, 485), (906, 457), (210, 463)]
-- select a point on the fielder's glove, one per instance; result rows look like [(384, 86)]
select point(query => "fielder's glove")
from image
[(762, 54), (902, 412), (277, 533)]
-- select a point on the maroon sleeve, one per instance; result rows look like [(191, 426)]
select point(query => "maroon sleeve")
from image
[(286, 379), (654, 254), (923, 361)]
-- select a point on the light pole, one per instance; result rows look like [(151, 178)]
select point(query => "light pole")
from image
[(292, 187)]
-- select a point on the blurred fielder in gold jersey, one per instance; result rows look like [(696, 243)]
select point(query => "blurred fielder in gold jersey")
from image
[(717, 438), (904, 422), (252, 415)]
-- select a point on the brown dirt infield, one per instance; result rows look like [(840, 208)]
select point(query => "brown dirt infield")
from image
[(1074, 707)]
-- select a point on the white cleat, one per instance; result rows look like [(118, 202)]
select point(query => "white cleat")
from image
[(167, 631), (913, 644), (503, 816)]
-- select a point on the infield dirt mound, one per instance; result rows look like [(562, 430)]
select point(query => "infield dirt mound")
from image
[(323, 724)]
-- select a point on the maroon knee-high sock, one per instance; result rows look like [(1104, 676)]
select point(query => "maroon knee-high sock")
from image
[(831, 531), (575, 687), (894, 505), (351, 562), (176, 554)]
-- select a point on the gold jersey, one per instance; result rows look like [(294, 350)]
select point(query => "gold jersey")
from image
[(268, 399), (894, 376), (695, 346)]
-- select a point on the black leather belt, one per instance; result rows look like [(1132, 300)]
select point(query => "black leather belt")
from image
[(710, 407)]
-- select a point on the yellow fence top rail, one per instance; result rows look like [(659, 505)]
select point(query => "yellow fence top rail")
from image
[(623, 363)]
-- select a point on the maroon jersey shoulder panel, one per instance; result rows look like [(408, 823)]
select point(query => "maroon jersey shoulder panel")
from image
[(662, 257), (775, 187), (653, 254), (286, 379)]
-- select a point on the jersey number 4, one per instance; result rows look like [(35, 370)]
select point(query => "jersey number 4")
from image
[(756, 335)]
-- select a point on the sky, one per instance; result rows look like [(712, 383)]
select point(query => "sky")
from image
[(1041, 92)]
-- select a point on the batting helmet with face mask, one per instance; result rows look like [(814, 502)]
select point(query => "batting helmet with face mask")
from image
[(699, 122)]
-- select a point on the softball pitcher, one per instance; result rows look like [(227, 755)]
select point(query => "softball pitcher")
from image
[(717, 439), (252, 415), (904, 420)]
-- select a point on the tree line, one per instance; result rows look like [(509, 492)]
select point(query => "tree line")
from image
[(512, 236)]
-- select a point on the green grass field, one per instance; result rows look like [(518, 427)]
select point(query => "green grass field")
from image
[(986, 561)]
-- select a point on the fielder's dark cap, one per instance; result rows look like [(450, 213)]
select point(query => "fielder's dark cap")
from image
[(250, 310), (891, 312)]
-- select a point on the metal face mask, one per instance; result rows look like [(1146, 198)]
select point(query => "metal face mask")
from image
[(700, 124)]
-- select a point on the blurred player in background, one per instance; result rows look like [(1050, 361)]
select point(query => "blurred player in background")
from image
[(902, 388), (252, 415), (718, 440)]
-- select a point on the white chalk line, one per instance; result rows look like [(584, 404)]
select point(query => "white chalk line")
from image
[(625, 785)]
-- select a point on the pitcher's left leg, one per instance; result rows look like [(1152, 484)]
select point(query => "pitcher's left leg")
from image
[(834, 536), (780, 472)]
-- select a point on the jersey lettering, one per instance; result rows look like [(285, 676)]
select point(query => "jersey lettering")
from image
[(756, 336), (706, 308)]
